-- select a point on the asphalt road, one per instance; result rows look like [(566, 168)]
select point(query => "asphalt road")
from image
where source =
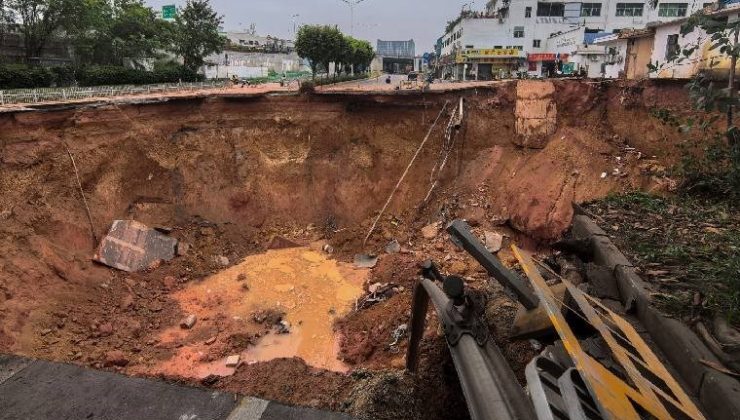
[(40, 390)]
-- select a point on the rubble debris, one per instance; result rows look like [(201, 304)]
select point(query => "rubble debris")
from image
[(210, 380), (328, 249), (232, 361), (430, 231), (365, 261), (398, 334), (188, 322), (493, 241), (281, 242), (169, 281), (210, 341), (132, 246), (221, 260), (182, 248), (393, 247), (268, 316), (116, 358), (283, 327)]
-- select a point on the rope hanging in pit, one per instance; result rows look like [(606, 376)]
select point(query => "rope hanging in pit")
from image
[(448, 144), (405, 172)]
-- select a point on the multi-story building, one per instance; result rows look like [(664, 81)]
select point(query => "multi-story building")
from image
[(522, 35), (396, 56)]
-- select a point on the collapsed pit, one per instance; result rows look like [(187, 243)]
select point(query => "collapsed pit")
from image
[(228, 174)]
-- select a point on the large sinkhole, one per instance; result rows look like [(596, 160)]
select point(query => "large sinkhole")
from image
[(273, 196)]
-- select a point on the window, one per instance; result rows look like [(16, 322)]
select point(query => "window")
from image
[(630, 9), (469, 47), (705, 5), (672, 49), (550, 9), (672, 9), (527, 12), (536, 43), (496, 47), (518, 47), (519, 32), (590, 9)]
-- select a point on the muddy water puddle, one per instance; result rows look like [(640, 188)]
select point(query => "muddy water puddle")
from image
[(309, 288)]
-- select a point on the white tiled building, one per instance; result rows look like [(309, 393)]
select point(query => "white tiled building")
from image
[(522, 35)]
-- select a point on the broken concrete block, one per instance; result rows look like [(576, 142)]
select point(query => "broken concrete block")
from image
[(232, 361), (393, 247), (221, 260), (365, 261), (132, 246), (188, 322)]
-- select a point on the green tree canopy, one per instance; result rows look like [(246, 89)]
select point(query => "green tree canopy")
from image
[(112, 32), (196, 33), (319, 44), (38, 20)]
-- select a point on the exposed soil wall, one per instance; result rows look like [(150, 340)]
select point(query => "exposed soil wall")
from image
[(227, 173)]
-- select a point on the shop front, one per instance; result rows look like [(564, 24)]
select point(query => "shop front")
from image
[(489, 64), (547, 64)]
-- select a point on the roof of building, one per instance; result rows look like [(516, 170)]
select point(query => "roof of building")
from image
[(726, 9), (589, 38), (624, 34)]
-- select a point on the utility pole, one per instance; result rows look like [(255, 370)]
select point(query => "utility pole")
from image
[(352, 4)]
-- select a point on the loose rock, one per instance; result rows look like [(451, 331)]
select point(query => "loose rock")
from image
[(188, 322), (116, 358), (430, 231), (232, 361), (393, 247), (493, 240)]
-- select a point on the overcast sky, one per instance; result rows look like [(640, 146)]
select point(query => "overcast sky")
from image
[(422, 21)]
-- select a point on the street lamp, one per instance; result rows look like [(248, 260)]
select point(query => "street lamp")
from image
[(294, 23), (352, 4)]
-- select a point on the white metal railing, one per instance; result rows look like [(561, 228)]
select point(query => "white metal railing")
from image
[(28, 96)]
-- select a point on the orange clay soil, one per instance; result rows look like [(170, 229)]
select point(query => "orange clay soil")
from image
[(228, 173)]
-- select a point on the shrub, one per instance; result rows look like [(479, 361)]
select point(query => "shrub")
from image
[(22, 77), (25, 77), (330, 80), (307, 86)]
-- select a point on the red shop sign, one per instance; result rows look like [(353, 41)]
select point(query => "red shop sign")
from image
[(545, 57)]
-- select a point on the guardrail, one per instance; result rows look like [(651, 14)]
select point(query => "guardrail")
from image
[(29, 96)]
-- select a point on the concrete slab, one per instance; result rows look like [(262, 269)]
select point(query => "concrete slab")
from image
[(45, 390)]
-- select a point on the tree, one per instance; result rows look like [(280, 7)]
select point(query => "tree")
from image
[(118, 32), (39, 19), (196, 33), (320, 45), (362, 54), (721, 163)]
